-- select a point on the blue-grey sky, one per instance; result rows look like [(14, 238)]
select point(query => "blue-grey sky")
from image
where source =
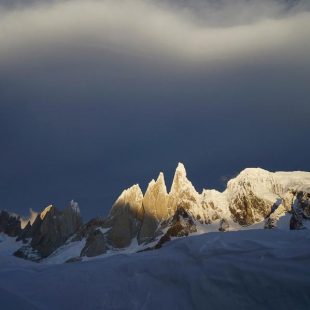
[(98, 95)]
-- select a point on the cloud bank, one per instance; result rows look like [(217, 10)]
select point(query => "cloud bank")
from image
[(97, 95), (201, 33)]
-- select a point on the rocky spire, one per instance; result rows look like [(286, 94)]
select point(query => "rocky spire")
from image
[(30, 219), (45, 211), (155, 205), (130, 200), (126, 217), (182, 193), (179, 180)]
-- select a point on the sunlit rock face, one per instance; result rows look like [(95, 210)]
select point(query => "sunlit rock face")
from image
[(251, 195), (125, 218), (10, 224), (30, 219), (155, 206), (183, 193)]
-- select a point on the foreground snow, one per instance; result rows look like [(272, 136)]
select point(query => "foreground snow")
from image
[(255, 269)]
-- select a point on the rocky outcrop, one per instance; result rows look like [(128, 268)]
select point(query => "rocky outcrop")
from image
[(95, 244), (300, 211), (224, 225), (10, 224), (87, 229), (181, 225), (247, 209)]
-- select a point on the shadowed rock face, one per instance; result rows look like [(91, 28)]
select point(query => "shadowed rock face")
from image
[(300, 210), (51, 229), (95, 244), (181, 225), (25, 233), (282, 206), (10, 224)]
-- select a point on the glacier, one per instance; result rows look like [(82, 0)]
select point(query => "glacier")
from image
[(254, 269)]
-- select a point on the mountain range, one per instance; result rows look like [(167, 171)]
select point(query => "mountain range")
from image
[(137, 221)]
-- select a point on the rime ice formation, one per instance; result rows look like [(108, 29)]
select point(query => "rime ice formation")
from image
[(256, 198)]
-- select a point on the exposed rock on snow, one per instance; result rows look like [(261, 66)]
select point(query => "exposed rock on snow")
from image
[(95, 244), (181, 225), (252, 195), (300, 211), (224, 225)]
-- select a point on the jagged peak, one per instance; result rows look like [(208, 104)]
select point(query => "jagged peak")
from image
[(74, 206), (180, 170), (30, 219), (179, 178), (180, 181), (133, 192), (161, 178), (130, 199), (161, 182), (159, 185), (45, 211), (133, 189)]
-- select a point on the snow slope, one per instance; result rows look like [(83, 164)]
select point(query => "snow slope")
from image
[(254, 269)]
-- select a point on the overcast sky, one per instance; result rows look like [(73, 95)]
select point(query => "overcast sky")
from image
[(98, 95)]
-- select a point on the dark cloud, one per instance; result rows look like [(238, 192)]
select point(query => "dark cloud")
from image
[(90, 105)]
